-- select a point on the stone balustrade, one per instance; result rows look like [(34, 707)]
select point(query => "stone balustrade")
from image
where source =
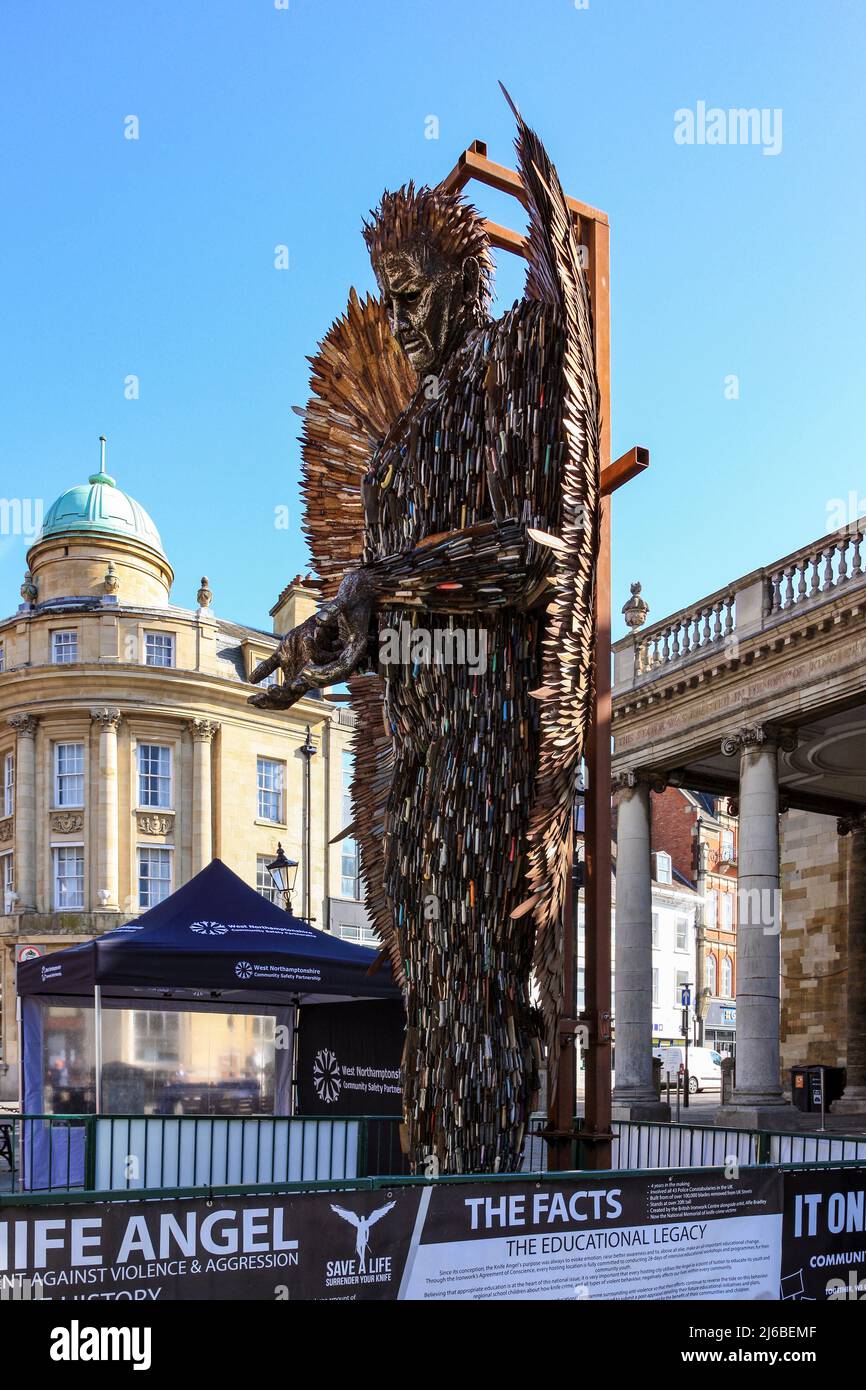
[(808, 578)]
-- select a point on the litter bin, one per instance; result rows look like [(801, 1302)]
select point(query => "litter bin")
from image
[(800, 1092), (729, 1080), (833, 1079), (657, 1077)]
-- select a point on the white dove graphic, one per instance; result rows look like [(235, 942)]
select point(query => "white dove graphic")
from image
[(362, 1226)]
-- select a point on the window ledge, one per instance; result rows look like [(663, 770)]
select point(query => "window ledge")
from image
[(271, 824)]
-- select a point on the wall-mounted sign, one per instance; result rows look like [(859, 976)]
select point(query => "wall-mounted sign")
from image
[(23, 953)]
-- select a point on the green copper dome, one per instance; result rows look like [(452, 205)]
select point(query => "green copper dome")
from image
[(100, 508)]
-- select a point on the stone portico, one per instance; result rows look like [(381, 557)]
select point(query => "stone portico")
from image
[(757, 694)]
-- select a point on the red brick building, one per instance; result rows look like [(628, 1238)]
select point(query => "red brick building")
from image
[(700, 836)]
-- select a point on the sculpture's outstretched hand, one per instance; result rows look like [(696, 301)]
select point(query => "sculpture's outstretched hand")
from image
[(322, 651)]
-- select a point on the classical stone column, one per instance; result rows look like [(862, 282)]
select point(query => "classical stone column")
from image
[(853, 1100), (25, 811), (107, 719), (202, 731), (634, 1095), (758, 1088)]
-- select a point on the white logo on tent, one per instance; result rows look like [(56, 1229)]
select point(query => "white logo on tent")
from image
[(243, 970), (207, 928), (327, 1078)]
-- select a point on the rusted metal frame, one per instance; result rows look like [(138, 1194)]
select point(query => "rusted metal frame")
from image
[(474, 164), (596, 1135)]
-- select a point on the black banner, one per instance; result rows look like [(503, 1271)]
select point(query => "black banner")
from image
[(349, 1058), (658, 1236), (349, 1064), (307, 1247), (824, 1235)]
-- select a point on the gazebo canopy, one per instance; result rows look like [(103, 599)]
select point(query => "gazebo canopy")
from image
[(215, 938)]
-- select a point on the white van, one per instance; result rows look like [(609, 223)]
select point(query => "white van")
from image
[(705, 1067)]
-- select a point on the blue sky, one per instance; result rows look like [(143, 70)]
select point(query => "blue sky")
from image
[(262, 126)]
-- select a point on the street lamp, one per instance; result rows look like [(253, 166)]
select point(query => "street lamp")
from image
[(284, 871)]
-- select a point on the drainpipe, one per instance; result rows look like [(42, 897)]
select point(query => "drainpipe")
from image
[(700, 933)]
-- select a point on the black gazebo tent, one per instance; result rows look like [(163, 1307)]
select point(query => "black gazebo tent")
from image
[(215, 942), (214, 938)]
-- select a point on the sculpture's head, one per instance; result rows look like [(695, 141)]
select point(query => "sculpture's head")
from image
[(431, 257)]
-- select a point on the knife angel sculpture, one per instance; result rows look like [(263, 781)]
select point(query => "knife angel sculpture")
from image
[(451, 483)]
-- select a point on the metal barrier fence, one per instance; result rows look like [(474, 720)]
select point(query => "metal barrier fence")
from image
[(650, 1145), (114, 1153), (45, 1153), (66, 1153), (815, 1148), (643, 1144)]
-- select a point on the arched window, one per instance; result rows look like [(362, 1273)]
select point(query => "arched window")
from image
[(727, 978), (711, 974)]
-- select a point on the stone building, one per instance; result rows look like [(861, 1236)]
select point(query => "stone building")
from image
[(129, 755), (757, 694)]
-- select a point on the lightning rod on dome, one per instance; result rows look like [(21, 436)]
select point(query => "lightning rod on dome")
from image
[(102, 476)]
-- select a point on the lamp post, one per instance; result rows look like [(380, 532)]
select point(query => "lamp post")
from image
[(308, 752), (284, 871)]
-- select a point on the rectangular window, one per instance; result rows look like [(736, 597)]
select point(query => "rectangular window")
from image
[(156, 1037), (349, 884), (154, 877), (361, 935), (712, 906), (2, 657), (9, 784), (655, 930), (7, 881), (728, 911), (682, 981), (271, 781), (350, 869), (727, 853), (655, 988), (68, 878), (64, 647), (581, 988), (264, 883), (663, 867), (69, 774), (159, 649), (682, 933), (154, 775), (271, 680)]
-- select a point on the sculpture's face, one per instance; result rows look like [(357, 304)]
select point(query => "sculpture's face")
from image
[(425, 303)]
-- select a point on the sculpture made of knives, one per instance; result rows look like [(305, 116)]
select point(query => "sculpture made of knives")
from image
[(451, 488)]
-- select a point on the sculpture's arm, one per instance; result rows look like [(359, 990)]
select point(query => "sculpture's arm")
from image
[(472, 570)]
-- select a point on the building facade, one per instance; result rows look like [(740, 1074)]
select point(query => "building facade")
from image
[(129, 756), (757, 694)]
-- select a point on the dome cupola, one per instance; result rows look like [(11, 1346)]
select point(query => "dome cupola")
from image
[(90, 526)]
